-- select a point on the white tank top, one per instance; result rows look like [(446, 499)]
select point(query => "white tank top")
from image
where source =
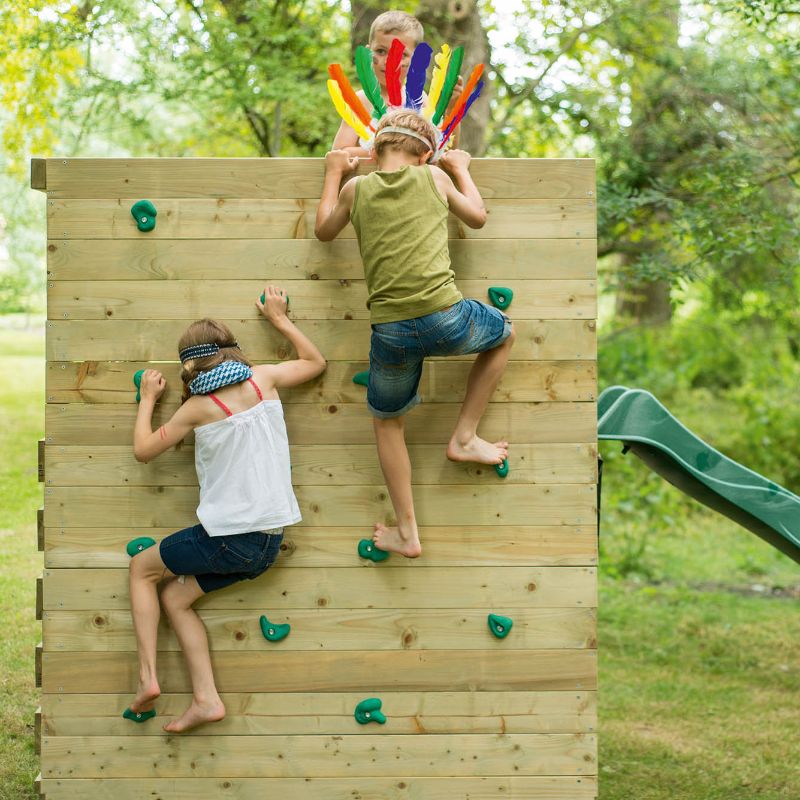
[(245, 476)]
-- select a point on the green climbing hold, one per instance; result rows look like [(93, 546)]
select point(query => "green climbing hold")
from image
[(502, 468), (369, 711), (144, 212), (501, 296), (137, 382), (139, 716), (367, 549), (137, 545), (264, 297), (500, 626), (361, 378), (272, 632)]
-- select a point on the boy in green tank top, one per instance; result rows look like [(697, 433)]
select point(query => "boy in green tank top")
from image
[(400, 214)]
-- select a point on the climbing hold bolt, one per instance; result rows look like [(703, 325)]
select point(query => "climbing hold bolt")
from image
[(369, 710), (367, 549), (501, 296), (273, 632), (500, 626), (137, 545), (138, 716), (144, 212)]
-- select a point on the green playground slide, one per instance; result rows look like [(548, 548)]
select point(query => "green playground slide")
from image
[(645, 427)]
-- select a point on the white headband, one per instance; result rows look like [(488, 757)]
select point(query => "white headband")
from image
[(406, 132)]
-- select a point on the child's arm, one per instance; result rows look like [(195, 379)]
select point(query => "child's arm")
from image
[(333, 212), (466, 204), (147, 443), (309, 362)]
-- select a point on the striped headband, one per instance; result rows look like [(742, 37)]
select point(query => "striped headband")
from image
[(201, 351)]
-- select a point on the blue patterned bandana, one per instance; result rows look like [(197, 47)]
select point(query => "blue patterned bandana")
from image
[(224, 374)]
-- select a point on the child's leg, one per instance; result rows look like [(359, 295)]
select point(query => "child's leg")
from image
[(396, 466), (145, 571), (465, 444), (177, 599)]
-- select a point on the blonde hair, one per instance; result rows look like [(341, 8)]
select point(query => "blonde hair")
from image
[(208, 331), (397, 22), (403, 118)]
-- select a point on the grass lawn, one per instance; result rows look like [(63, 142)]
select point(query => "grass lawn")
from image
[(699, 634)]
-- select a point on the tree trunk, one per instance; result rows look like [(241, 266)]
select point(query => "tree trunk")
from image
[(455, 22)]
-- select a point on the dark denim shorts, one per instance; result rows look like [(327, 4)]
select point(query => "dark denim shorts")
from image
[(398, 349), (219, 561)]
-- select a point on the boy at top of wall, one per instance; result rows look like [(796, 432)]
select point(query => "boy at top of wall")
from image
[(400, 213), (386, 27)]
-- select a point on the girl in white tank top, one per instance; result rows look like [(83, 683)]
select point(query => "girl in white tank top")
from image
[(246, 496)]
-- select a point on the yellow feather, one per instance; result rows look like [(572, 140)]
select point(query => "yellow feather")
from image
[(442, 60), (345, 112)]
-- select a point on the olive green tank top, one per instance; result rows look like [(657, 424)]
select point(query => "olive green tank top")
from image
[(401, 223)]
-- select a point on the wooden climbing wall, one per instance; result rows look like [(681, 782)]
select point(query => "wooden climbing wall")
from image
[(469, 715)]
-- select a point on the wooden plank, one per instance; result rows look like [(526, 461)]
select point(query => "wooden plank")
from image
[(294, 219), (427, 670), (38, 656), (324, 629), (303, 259), (37, 785), (442, 381), (357, 788), (39, 174), (268, 714), (40, 459), (190, 300), (475, 545), (37, 731), (39, 599), (339, 340), (349, 465), (481, 588), (293, 178), (174, 506), (40, 535), (476, 755), (344, 423)]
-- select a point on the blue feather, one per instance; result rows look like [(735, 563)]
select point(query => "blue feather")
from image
[(415, 78)]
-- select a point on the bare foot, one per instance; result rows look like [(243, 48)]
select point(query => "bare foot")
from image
[(196, 714), (478, 450), (392, 540), (146, 695)]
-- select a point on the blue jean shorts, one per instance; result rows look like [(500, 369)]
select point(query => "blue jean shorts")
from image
[(398, 349), (219, 561)]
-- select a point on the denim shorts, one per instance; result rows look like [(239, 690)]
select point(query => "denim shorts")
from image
[(219, 561), (398, 349)]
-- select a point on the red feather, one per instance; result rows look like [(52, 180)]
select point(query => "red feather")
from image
[(351, 98), (393, 72)]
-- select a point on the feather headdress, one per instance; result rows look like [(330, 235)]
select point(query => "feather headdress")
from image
[(411, 96)]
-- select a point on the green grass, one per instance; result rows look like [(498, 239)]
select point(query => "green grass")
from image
[(698, 669)]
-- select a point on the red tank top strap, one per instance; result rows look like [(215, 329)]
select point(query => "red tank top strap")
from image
[(255, 386), (221, 404)]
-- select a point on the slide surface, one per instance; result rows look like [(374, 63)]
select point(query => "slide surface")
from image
[(636, 418)]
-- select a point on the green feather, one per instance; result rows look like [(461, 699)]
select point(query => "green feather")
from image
[(449, 83), (369, 83)]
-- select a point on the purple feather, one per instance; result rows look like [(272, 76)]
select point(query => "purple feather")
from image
[(415, 78), (452, 126)]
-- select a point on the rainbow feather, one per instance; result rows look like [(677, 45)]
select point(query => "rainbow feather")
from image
[(415, 79), (337, 73), (441, 59), (451, 79), (473, 80), (345, 112), (464, 108), (369, 83), (393, 60)]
